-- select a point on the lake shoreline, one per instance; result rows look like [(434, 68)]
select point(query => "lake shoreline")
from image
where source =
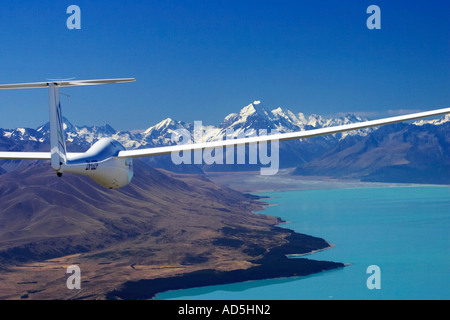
[(274, 264)]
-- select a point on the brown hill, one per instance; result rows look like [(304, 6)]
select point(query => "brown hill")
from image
[(161, 225), (395, 153), (42, 216)]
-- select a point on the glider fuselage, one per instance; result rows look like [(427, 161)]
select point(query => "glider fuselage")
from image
[(100, 163)]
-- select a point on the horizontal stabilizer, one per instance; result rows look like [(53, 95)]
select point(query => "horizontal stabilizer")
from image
[(65, 83)]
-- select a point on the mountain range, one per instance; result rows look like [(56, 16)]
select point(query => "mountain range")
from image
[(406, 152), (252, 117)]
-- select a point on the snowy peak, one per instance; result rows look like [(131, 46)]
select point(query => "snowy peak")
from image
[(254, 109), (68, 126), (251, 117), (163, 125), (315, 121), (286, 120), (229, 120), (166, 125), (437, 121), (21, 134), (161, 133)]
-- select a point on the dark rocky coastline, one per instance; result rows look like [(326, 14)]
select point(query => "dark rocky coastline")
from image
[(274, 264)]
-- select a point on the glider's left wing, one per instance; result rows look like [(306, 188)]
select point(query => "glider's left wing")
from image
[(13, 155), (26, 155), (278, 137)]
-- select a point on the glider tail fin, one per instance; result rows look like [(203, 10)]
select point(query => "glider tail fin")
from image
[(57, 136)]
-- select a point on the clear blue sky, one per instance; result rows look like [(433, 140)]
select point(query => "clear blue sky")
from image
[(203, 59)]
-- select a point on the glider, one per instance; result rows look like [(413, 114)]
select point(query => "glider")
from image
[(110, 165)]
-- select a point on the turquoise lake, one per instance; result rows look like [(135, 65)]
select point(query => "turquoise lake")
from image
[(402, 230)]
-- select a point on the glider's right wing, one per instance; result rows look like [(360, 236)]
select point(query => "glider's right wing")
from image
[(242, 141), (278, 137)]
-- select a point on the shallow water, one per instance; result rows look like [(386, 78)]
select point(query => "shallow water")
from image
[(402, 230)]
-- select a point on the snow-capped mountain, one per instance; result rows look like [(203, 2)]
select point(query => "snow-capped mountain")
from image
[(249, 120), (21, 134), (437, 122), (256, 116)]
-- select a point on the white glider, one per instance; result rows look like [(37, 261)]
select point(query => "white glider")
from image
[(109, 164)]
